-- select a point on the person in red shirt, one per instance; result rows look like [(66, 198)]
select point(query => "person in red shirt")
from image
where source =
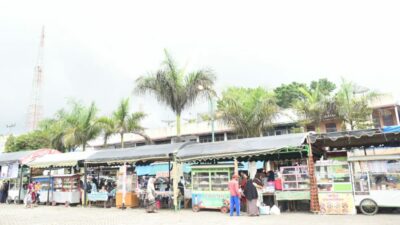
[(233, 187)]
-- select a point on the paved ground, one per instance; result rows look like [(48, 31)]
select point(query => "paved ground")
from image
[(59, 215)]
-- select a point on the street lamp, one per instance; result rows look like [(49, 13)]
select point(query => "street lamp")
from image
[(211, 105)]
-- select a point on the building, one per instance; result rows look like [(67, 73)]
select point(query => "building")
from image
[(385, 113)]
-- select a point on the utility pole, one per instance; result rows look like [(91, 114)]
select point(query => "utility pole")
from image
[(35, 107)]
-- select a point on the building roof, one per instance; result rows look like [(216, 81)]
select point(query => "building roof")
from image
[(241, 148)]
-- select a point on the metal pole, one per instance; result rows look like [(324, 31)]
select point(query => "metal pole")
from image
[(212, 119), (85, 183), (20, 183)]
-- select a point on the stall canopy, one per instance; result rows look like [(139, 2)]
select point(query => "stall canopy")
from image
[(24, 157), (60, 160), (358, 138), (262, 148), (146, 153)]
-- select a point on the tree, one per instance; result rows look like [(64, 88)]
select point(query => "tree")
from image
[(108, 128), (80, 125), (312, 108), (248, 110), (128, 123), (352, 105), (288, 94), (176, 88), (29, 141), (324, 85)]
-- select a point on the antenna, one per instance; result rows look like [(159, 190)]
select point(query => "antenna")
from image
[(35, 108)]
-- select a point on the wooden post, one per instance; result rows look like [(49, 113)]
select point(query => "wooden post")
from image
[(314, 202), (20, 183), (85, 184), (50, 187), (235, 167)]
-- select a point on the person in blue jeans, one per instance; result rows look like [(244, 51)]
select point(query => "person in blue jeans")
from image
[(233, 187)]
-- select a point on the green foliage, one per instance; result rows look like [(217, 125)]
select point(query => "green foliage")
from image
[(30, 141), (325, 86), (174, 87), (352, 107), (248, 110), (312, 108), (123, 122), (288, 94)]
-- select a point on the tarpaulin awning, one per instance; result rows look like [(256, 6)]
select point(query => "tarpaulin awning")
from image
[(141, 153), (60, 160), (24, 157), (391, 129), (154, 168), (248, 147)]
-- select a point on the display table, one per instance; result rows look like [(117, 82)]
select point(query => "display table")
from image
[(97, 197), (272, 195)]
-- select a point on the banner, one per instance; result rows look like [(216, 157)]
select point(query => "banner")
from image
[(12, 170), (4, 172), (337, 203)]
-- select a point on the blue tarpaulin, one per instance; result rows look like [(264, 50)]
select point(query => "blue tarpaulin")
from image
[(391, 129), (152, 169)]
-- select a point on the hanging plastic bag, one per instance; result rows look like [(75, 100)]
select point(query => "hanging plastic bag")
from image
[(275, 210)]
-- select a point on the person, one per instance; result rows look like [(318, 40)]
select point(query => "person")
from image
[(181, 195), (233, 187), (4, 190), (251, 195), (28, 200), (38, 186), (103, 189), (259, 187), (270, 176), (1, 190), (151, 196), (243, 183)]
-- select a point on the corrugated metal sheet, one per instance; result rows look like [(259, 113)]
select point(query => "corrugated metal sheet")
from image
[(12, 157), (142, 153), (241, 147)]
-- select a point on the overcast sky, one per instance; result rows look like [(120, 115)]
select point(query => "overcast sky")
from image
[(94, 50)]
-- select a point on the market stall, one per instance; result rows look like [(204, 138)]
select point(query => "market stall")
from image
[(374, 160), (63, 172), (273, 149), (14, 171), (126, 161)]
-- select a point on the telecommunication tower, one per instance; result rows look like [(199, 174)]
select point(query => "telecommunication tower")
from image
[(35, 107)]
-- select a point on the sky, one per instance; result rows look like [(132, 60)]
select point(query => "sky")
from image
[(94, 50)]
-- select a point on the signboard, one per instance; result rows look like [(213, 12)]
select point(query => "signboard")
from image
[(336, 203), (9, 171)]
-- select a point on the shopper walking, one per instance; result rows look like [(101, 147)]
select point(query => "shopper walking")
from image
[(251, 197), (233, 187)]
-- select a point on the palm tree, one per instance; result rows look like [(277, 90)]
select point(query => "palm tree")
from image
[(248, 110), (81, 126), (108, 128), (128, 123), (173, 87), (312, 107), (352, 105)]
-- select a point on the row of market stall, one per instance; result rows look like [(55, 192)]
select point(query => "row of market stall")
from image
[(328, 173)]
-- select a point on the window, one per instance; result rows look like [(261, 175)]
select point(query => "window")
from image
[(201, 181), (203, 139), (388, 118), (330, 127), (310, 128)]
